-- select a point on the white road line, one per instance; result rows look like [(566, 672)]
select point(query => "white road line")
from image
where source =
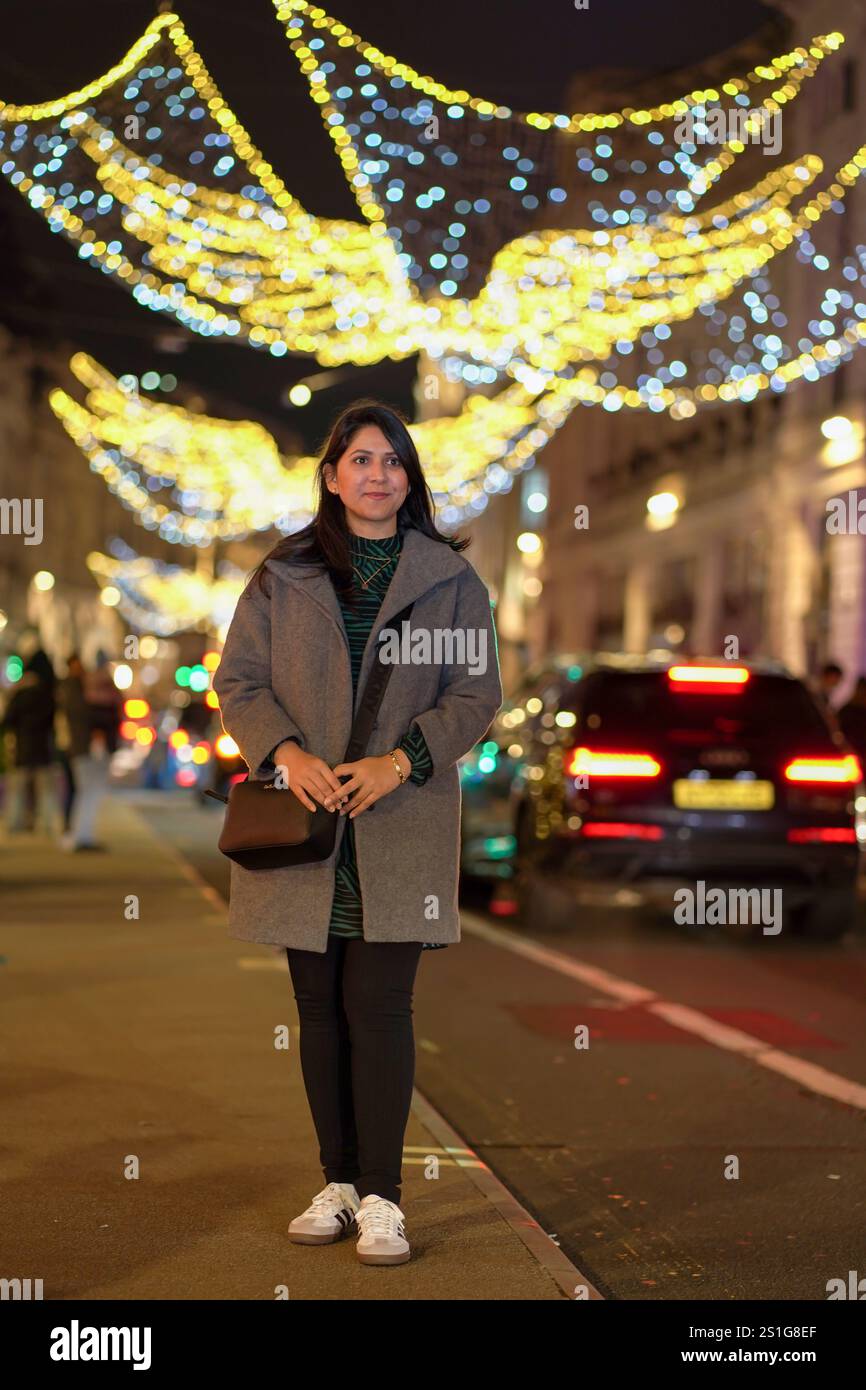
[(797, 1069)]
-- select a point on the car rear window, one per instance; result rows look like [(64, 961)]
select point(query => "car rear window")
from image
[(767, 707)]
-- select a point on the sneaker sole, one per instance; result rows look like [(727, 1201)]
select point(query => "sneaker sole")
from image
[(309, 1238), (370, 1259)]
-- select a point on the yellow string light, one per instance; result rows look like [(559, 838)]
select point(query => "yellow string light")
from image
[(336, 290), (289, 13), (167, 599), (231, 473)]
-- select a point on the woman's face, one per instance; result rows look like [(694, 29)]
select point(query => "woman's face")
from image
[(371, 483)]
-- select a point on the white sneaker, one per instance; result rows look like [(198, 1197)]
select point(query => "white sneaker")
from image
[(329, 1217), (383, 1232)]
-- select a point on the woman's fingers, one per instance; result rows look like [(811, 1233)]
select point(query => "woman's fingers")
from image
[(315, 782), (329, 776), (303, 798), (330, 798), (356, 791)]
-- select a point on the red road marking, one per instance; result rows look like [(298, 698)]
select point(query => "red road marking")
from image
[(634, 1024)]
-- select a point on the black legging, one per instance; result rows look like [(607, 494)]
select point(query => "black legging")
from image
[(358, 1055)]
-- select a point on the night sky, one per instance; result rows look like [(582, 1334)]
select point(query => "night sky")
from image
[(520, 52)]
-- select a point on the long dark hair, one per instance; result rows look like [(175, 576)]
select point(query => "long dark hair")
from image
[(325, 541)]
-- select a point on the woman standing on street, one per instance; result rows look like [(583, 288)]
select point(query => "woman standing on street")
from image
[(300, 647)]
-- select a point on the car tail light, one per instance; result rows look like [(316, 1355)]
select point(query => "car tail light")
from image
[(823, 834), (708, 679), (621, 830), (845, 770), (601, 762)]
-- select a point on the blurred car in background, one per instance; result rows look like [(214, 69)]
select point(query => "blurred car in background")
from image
[(488, 771), (628, 771), (180, 749)]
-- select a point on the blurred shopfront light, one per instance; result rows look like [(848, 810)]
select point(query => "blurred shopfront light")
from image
[(662, 504), (662, 509), (528, 543), (844, 441), (123, 676), (110, 596), (199, 678), (837, 427), (43, 580)]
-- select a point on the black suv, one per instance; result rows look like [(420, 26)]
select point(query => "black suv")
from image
[(635, 771)]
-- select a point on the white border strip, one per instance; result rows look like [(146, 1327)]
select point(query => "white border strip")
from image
[(539, 1244)]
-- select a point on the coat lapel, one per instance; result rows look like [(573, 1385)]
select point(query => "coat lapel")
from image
[(423, 564)]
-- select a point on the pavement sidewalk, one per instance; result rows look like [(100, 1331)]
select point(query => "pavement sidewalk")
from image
[(144, 1044)]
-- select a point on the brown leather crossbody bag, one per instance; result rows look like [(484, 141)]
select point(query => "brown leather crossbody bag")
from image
[(267, 827)]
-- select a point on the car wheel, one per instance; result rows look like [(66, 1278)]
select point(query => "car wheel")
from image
[(475, 892), (543, 905), (829, 915), (524, 878)]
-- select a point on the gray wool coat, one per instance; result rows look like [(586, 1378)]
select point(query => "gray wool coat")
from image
[(286, 671)]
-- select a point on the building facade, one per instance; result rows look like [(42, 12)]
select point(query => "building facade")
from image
[(748, 555)]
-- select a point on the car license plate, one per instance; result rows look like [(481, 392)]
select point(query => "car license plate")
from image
[(723, 794)]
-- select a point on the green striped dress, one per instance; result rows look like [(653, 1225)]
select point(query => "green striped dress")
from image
[(375, 560)]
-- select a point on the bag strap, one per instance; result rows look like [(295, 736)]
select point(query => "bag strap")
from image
[(374, 690)]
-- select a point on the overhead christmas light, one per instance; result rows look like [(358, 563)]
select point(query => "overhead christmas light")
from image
[(190, 217)]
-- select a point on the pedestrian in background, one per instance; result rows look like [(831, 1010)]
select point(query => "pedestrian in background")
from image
[(829, 677), (63, 734), (87, 750), (297, 652), (852, 720), (28, 723), (106, 703)]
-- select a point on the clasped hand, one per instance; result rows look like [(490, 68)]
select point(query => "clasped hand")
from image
[(369, 779)]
